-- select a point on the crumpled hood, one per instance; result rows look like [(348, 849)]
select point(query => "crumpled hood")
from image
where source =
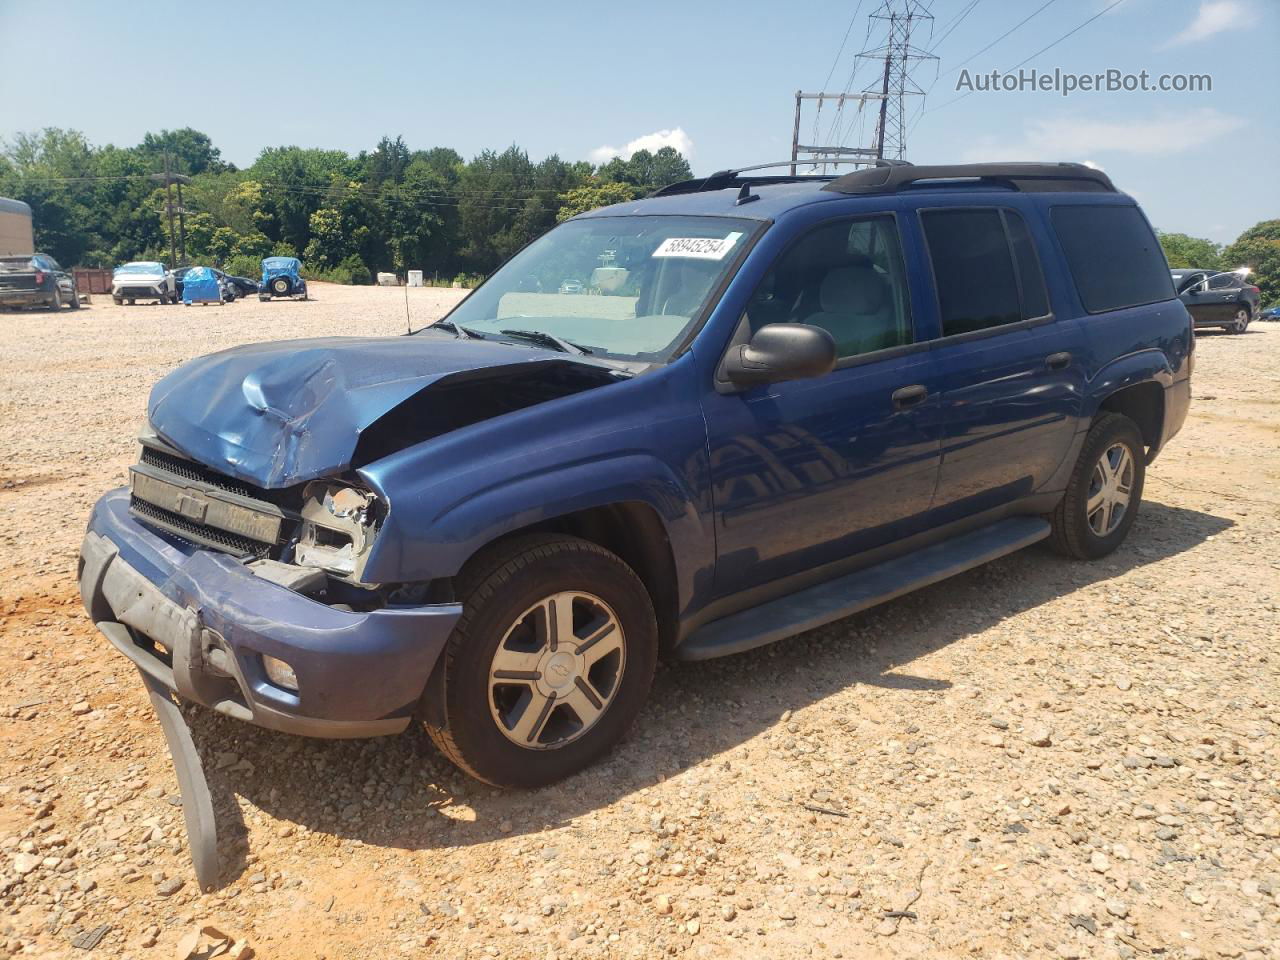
[(277, 414)]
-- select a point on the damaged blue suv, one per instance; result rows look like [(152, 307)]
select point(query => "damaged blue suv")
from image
[(764, 403)]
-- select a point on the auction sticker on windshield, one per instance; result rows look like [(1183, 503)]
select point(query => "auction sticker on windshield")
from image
[(697, 248)]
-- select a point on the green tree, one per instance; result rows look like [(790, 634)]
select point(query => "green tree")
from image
[(1183, 251), (647, 171), (1259, 249), (592, 195), (191, 151)]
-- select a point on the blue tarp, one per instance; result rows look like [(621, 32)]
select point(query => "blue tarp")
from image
[(201, 285), (280, 266)]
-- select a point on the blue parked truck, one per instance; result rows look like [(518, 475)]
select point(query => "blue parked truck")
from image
[(775, 401)]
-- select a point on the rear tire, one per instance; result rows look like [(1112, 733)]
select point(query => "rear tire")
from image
[(281, 287), (526, 704), (1240, 322), (1104, 492), (56, 302)]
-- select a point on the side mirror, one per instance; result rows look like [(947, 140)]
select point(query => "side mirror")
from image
[(781, 351)]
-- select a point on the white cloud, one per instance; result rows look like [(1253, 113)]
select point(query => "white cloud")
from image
[(1214, 16), (1070, 138), (652, 142)]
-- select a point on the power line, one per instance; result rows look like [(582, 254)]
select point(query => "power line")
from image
[(1065, 35), (956, 21), (836, 61), (1044, 49), (1002, 36)]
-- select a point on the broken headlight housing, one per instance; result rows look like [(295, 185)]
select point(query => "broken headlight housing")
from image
[(338, 525)]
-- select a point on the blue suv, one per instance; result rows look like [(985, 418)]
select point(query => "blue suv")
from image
[(767, 402)]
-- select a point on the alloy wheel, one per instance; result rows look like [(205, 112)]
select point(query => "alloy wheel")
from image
[(557, 670), (1110, 488)]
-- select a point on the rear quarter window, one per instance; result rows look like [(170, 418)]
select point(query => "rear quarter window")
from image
[(1114, 258)]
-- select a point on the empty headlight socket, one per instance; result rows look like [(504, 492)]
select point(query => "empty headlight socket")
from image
[(337, 528)]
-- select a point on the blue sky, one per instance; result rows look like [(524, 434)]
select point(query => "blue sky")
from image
[(716, 78)]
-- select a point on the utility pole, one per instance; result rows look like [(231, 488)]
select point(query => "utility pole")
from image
[(829, 153), (169, 178), (182, 226)]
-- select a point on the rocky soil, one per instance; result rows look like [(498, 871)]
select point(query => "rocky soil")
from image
[(1038, 758)]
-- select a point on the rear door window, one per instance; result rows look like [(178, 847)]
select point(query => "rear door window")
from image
[(979, 282), (1114, 258)]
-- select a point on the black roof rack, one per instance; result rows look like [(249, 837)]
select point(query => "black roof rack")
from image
[(1026, 177)]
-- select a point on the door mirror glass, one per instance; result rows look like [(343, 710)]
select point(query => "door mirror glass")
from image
[(781, 351)]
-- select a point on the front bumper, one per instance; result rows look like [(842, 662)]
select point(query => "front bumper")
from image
[(199, 622), (139, 291)]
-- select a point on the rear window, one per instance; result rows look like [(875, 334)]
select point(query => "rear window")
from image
[(1113, 256), (16, 264)]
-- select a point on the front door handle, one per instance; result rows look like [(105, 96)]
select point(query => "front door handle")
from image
[(1058, 361), (905, 397)]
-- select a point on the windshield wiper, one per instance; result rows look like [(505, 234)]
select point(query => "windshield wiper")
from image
[(461, 332), (547, 340)]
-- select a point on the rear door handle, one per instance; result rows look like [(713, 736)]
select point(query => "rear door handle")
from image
[(1058, 361), (905, 397)]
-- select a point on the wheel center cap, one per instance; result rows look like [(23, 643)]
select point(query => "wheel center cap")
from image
[(560, 670)]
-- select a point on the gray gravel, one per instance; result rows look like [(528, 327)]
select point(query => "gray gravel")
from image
[(1038, 758)]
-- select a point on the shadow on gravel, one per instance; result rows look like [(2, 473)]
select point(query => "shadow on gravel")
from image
[(400, 793)]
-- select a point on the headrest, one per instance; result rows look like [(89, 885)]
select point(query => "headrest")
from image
[(856, 289)]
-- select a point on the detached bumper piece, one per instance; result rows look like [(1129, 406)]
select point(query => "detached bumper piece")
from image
[(198, 624)]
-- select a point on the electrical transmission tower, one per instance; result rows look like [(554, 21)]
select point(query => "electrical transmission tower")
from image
[(899, 20), (894, 59)]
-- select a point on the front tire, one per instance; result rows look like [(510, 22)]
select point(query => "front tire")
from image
[(1104, 492), (549, 664), (74, 302)]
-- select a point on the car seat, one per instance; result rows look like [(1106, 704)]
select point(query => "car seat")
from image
[(856, 310)]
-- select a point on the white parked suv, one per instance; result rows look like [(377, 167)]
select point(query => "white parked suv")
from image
[(143, 280)]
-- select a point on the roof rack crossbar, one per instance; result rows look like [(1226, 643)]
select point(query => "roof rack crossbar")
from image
[(1023, 176), (723, 179)]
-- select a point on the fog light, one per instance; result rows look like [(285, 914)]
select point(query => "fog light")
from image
[(280, 673)]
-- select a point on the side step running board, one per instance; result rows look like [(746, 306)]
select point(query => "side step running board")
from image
[(825, 602)]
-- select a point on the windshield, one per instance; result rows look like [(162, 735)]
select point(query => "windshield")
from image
[(622, 288), (140, 268)]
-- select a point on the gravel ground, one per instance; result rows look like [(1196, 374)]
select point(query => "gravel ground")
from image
[(1037, 758)]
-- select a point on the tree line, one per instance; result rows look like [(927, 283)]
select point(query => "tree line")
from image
[(347, 216), (392, 208)]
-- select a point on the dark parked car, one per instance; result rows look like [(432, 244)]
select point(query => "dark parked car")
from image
[(1217, 299), (809, 395), (36, 280), (243, 285)]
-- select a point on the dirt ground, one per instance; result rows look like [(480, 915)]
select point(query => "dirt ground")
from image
[(1038, 758)]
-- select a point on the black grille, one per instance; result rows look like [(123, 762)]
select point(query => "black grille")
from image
[(199, 532), (190, 470), (138, 292)]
